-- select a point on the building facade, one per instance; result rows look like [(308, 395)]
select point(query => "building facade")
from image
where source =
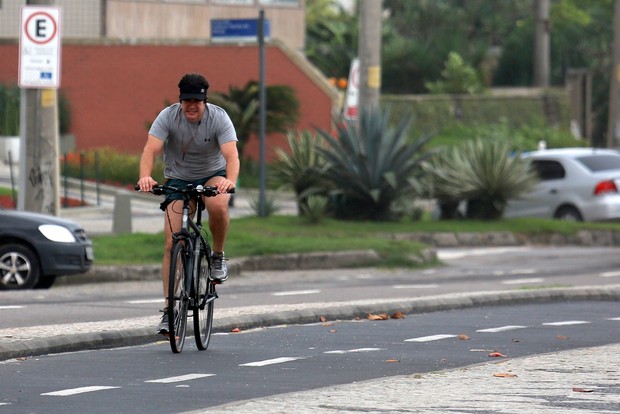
[(135, 20)]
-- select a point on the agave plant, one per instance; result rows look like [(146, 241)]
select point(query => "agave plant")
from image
[(371, 165), (301, 167), (485, 173)]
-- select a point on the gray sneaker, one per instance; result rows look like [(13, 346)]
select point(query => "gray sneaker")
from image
[(219, 270), (162, 328)]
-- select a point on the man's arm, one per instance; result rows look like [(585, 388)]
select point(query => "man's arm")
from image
[(231, 155), (154, 147)]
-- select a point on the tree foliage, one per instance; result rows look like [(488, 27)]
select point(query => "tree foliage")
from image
[(242, 105)]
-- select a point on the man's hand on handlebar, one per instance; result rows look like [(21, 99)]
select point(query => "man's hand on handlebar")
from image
[(225, 186), (146, 183)]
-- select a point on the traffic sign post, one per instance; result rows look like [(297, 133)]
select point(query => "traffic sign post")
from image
[(40, 46), (39, 79)]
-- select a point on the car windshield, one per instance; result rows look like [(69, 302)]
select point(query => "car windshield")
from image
[(601, 162)]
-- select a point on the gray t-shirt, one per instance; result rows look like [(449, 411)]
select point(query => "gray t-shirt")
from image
[(192, 151)]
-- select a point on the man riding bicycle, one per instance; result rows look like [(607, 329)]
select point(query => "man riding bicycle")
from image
[(199, 146)]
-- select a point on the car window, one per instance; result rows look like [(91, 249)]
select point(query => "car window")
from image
[(548, 170), (600, 162)]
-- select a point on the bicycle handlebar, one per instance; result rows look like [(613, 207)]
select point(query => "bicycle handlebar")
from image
[(190, 189)]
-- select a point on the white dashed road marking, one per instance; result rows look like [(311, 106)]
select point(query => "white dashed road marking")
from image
[(145, 301), (523, 281), (297, 292), (563, 323), (416, 286), (271, 362), (430, 338), (180, 378), (502, 328), (11, 307), (74, 391), (352, 351)]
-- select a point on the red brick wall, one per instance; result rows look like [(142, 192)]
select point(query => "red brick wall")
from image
[(114, 91)]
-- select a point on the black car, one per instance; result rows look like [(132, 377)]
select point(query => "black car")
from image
[(36, 248)]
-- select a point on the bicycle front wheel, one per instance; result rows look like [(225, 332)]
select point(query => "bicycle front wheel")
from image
[(178, 299), (203, 313)]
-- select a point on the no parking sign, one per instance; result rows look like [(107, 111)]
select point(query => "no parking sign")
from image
[(39, 44)]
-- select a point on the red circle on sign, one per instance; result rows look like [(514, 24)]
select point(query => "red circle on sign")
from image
[(50, 17)]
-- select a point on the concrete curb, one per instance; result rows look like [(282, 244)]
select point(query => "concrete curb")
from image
[(116, 336)]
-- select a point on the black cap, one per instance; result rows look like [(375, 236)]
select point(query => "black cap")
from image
[(193, 86)]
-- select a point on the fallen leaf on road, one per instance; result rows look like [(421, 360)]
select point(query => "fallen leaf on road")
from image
[(392, 360), (577, 389), (463, 337), (497, 355), (323, 319), (505, 375), (381, 317), (398, 315), (332, 331), (561, 337), (236, 330)]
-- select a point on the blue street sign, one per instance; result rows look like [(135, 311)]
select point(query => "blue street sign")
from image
[(237, 30)]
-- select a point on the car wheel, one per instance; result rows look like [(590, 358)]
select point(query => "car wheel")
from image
[(568, 213), (19, 267)]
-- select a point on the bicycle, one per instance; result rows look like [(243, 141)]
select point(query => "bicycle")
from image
[(189, 283)]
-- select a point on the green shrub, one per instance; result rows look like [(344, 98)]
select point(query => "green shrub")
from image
[(301, 168), (484, 173), (371, 165)]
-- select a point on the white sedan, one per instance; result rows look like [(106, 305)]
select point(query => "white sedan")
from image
[(578, 184)]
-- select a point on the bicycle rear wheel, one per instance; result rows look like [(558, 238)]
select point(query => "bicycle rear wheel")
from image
[(203, 313), (178, 299)]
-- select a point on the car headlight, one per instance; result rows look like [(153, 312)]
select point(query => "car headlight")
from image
[(57, 233)]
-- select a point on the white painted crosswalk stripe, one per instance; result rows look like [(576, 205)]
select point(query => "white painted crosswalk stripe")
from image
[(75, 391), (180, 378), (271, 362), (502, 329), (564, 323), (430, 338), (353, 351)]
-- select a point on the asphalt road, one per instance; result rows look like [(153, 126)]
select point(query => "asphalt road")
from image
[(273, 361), (464, 270)]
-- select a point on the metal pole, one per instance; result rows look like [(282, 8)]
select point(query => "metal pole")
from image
[(613, 127), (262, 108)]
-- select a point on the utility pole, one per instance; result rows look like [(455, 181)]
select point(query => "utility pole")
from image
[(541, 43), (613, 126), (369, 51), (39, 167)]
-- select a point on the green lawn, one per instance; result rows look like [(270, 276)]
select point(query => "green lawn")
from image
[(289, 234)]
